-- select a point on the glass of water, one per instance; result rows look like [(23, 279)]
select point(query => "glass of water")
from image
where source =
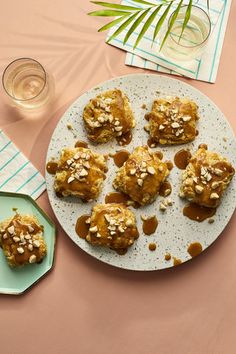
[(191, 43), (27, 84)]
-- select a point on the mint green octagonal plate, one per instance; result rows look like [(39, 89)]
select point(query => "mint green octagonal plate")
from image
[(17, 281)]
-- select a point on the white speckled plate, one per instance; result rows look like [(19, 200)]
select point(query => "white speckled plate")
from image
[(175, 232)]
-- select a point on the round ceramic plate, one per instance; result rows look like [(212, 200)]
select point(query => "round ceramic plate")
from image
[(175, 232)]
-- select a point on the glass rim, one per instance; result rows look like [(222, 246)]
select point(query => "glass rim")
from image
[(22, 99), (197, 45)]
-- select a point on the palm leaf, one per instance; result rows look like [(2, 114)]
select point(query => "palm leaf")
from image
[(108, 13), (147, 25), (113, 23), (173, 18), (186, 18), (144, 2), (123, 26), (115, 6), (161, 20), (135, 24)]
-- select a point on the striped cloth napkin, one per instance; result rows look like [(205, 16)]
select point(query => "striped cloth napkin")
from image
[(17, 174), (202, 68)]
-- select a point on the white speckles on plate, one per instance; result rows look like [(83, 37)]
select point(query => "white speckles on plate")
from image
[(175, 232)]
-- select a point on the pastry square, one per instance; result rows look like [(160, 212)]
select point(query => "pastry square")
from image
[(141, 176), (108, 116), (21, 238), (172, 121), (206, 177), (113, 226), (80, 173)]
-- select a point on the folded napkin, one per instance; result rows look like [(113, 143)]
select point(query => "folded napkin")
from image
[(202, 68), (17, 174), (209, 63)]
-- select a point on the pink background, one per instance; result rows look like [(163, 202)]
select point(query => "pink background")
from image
[(84, 306)]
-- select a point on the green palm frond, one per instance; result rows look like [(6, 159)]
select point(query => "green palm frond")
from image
[(123, 26), (187, 17), (161, 21), (141, 18)]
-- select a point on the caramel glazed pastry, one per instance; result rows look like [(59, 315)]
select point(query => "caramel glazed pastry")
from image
[(114, 226), (107, 116), (172, 121), (21, 239), (206, 178), (141, 176), (80, 173)]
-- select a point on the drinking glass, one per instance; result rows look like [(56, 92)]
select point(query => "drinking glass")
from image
[(191, 43), (27, 84)]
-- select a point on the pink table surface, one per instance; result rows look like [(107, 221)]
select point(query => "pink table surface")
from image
[(84, 306)]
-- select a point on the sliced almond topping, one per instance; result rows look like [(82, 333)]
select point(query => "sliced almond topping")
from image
[(11, 230), (88, 238), (93, 229), (198, 189), (129, 223), (214, 196), (110, 119), (86, 164), (203, 171), (98, 235), (112, 222), (151, 170), (161, 127), (107, 217), (36, 243), (69, 162), (215, 185), (96, 124), (195, 179), (167, 192), (112, 233), (218, 172), (30, 247), (117, 123), (27, 237), (160, 168), (77, 156), (32, 259), (20, 250), (186, 118), (140, 182), (169, 202), (143, 175), (16, 239), (208, 176), (4, 236), (88, 221), (132, 171), (118, 129), (120, 228), (175, 125), (70, 179), (83, 173), (22, 238), (30, 228), (143, 164), (101, 119), (162, 207)]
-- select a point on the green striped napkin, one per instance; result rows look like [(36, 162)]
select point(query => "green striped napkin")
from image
[(17, 174), (147, 56)]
